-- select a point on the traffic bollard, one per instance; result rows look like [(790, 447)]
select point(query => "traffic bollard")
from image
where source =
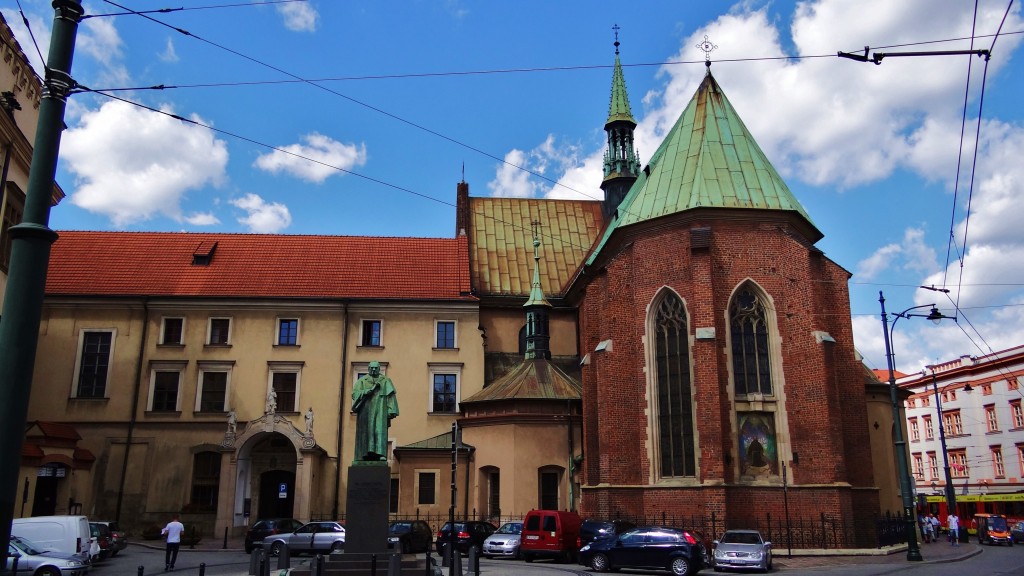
[(202, 569), (284, 558)]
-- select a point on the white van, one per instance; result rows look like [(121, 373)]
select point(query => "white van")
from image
[(68, 534)]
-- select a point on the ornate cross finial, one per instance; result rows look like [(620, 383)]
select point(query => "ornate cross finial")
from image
[(616, 29), (707, 47)]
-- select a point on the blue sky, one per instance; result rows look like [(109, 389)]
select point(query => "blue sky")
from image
[(411, 95)]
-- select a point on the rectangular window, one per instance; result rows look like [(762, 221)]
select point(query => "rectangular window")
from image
[(948, 396), (213, 389), (910, 403), (986, 389), (287, 331), (918, 467), (445, 334), (990, 418), (393, 497), (220, 332), (371, 333), (444, 393), (952, 422), (426, 489), (1020, 458), (1012, 383), (172, 331), (494, 494), (933, 466), (926, 401), (549, 491), (1017, 414), (958, 463), (14, 208), (929, 431), (95, 350), (915, 431), (205, 481), (997, 462), (285, 379), (165, 391)]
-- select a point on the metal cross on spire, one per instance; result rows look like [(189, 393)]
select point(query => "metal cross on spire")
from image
[(616, 29), (707, 47)]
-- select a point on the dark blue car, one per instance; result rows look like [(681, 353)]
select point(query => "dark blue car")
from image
[(649, 547)]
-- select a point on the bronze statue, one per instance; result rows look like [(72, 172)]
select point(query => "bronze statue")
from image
[(375, 402)]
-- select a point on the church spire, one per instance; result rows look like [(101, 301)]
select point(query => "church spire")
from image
[(537, 337), (621, 163)]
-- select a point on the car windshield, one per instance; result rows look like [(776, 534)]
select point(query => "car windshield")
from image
[(399, 527), (26, 546), (741, 538), (511, 528), (997, 524)]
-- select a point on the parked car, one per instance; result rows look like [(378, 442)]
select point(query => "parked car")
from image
[(471, 533), (101, 532), (67, 534), (410, 536), (311, 537), (505, 541), (742, 549), (552, 534), (992, 529), (652, 547), (591, 530), (118, 541), (1017, 532), (33, 560), (256, 533)]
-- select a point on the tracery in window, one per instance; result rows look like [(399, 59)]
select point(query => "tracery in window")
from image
[(676, 439), (750, 352)]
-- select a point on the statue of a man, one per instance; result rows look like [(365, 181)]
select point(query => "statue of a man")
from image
[(271, 402), (309, 421), (375, 402), (232, 422)]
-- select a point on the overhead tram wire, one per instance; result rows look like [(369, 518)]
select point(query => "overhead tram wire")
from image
[(217, 6), (385, 183), (31, 35)]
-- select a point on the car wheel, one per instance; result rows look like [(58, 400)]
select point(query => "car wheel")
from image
[(528, 557), (337, 547), (248, 548), (276, 547), (48, 571), (600, 563), (680, 566), (769, 567)]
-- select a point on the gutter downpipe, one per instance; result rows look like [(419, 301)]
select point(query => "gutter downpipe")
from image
[(135, 406), (341, 406)]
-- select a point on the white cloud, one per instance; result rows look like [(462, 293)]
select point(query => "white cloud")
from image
[(299, 16), (202, 219), (314, 161), (99, 39), (548, 157), (169, 54), (262, 217), (912, 253), (125, 168), (41, 30)]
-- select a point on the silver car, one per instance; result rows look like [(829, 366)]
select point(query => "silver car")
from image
[(504, 542), (742, 549), (312, 537), (33, 560)]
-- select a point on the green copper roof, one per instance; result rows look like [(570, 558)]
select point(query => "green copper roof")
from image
[(708, 160), (439, 442), (618, 110), (536, 291), (535, 379)]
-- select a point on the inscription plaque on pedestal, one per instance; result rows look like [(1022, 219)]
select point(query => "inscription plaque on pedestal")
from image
[(366, 512)]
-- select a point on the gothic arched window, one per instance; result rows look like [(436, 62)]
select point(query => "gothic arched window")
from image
[(751, 363), (676, 440)]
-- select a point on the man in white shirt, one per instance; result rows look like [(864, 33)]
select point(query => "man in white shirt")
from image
[(173, 532), (953, 522)]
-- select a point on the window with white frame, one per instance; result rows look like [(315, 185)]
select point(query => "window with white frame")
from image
[(952, 422), (997, 462), (426, 487), (165, 385), (1020, 458), (287, 332), (929, 431), (172, 332), (285, 378), (918, 467), (371, 332), (214, 383), (444, 387), (958, 463), (1017, 414), (990, 418), (915, 431), (933, 466), (219, 332), (92, 367), (444, 331)]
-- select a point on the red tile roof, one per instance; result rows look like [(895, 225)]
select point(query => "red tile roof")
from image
[(258, 266), (883, 375)]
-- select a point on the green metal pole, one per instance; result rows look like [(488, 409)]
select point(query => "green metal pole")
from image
[(30, 255)]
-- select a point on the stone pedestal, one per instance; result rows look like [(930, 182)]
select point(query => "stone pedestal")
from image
[(366, 512)]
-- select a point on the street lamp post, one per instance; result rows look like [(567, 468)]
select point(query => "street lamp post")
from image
[(950, 489), (902, 469)]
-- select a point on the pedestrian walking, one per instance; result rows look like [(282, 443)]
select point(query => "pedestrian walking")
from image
[(928, 528), (935, 526), (953, 523), (173, 532)]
